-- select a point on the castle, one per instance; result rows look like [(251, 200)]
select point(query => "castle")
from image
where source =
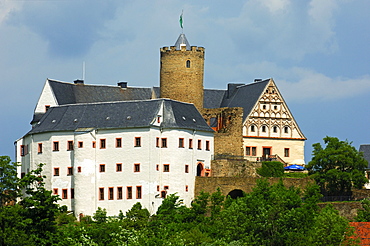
[(113, 146)]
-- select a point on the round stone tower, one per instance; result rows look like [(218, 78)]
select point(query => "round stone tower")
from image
[(181, 72)]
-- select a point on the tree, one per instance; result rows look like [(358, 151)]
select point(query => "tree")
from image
[(337, 168), (9, 189)]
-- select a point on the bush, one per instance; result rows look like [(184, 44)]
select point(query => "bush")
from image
[(271, 169)]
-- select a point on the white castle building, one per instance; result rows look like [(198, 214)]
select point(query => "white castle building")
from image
[(113, 146)]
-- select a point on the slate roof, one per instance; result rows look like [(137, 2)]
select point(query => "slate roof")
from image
[(127, 114), (182, 40), (365, 148), (68, 93), (237, 95)]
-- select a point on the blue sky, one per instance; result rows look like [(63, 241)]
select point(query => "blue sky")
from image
[(316, 51)]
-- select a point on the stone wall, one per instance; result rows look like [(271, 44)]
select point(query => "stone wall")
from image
[(234, 168), (228, 184), (228, 126)]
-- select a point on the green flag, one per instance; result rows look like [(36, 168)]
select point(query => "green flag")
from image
[(181, 21)]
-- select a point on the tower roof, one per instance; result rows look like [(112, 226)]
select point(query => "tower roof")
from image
[(181, 41)]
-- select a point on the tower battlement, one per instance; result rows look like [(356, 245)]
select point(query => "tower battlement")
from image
[(183, 48)]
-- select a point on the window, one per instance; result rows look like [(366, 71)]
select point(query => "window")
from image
[(64, 194), (250, 151), (72, 193), (163, 194), (102, 143), (186, 188), (263, 106), (286, 152), (23, 174), (138, 142), (101, 193), (39, 148), (207, 145), (263, 128), (118, 142), (275, 129), (275, 107), (181, 143), (119, 167), (79, 169), (55, 191), (158, 119), (138, 192), (55, 146), (166, 187), (286, 129), (190, 143), (56, 171), (102, 168), (129, 192), (93, 144), (254, 151), (199, 144), (157, 187), (157, 142), (119, 193), (137, 167), (23, 150), (47, 107), (188, 63), (157, 167), (164, 142), (110, 193), (70, 171), (247, 150), (80, 144), (70, 145), (166, 168), (186, 168), (253, 128)]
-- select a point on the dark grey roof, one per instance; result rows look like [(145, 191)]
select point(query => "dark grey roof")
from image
[(244, 96), (128, 114), (68, 93), (365, 148), (182, 40), (213, 98)]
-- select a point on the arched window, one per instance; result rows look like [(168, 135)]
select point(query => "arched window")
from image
[(275, 129), (200, 169), (253, 128), (286, 129), (188, 63), (263, 128)]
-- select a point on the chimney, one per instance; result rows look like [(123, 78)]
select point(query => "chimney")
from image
[(122, 84), (257, 80), (79, 82)]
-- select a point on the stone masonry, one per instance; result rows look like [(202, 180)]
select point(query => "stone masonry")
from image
[(181, 74)]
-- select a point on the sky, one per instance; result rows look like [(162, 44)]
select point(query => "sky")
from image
[(317, 52)]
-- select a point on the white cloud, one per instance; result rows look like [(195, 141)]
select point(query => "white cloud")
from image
[(7, 7), (311, 86), (275, 5)]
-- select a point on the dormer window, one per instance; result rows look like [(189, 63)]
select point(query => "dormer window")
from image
[(188, 63), (47, 107)]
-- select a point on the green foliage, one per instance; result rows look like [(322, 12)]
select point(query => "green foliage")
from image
[(33, 217), (9, 189), (337, 168), (363, 215), (271, 169), (100, 216)]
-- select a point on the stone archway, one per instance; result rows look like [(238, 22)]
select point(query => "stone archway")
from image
[(236, 193)]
